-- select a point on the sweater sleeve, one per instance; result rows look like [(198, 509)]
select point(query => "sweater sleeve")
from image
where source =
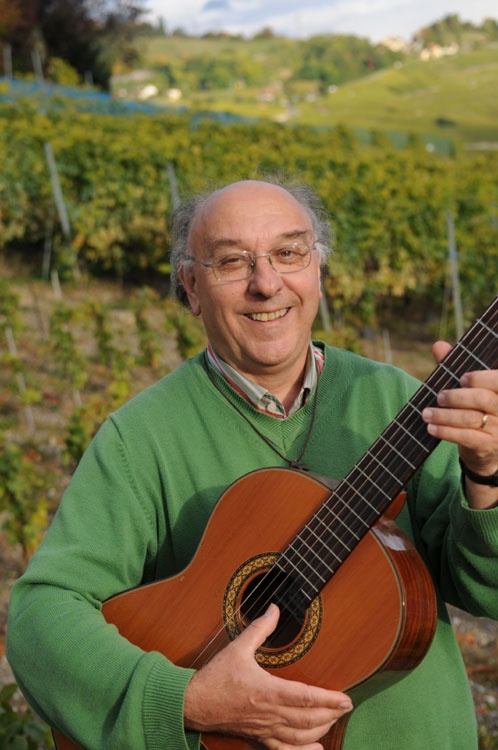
[(460, 544), (75, 669)]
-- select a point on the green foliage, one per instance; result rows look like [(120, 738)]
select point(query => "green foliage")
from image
[(10, 314), (20, 729), (65, 351), (23, 495), (333, 60), (189, 331), (103, 331), (82, 426), (60, 71), (149, 343)]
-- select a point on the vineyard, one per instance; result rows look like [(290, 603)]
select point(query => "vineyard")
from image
[(85, 320), (389, 207)]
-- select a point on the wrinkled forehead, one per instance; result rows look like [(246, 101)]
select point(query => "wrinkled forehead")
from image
[(250, 212)]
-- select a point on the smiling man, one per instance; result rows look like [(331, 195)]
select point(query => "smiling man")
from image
[(254, 277), (247, 260)]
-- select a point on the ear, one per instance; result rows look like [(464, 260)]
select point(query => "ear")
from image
[(188, 279)]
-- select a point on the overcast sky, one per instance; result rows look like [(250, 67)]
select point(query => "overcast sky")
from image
[(375, 19)]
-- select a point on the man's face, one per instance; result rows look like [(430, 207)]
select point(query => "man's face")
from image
[(260, 325)]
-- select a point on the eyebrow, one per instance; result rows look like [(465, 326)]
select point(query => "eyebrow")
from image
[(227, 242)]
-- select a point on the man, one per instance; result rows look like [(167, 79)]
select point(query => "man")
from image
[(248, 258)]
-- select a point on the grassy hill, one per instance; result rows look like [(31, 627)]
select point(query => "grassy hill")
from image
[(451, 97), (455, 96)]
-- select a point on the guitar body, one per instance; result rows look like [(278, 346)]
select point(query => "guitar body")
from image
[(371, 623)]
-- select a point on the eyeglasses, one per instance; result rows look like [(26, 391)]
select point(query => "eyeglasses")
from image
[(238, 265)]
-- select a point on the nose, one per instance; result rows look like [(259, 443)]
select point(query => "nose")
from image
[(264, 280)]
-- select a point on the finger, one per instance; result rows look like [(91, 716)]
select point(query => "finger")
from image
[(258, 631), (481, 379), (299, 696), (462, 419), (311, 718), (301, 737), (273, 744), (481, 400), (440, 349)]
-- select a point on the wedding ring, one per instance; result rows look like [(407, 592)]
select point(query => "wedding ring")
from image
[(483, 423)]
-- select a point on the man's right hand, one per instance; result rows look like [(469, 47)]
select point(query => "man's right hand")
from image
[(233, 695)]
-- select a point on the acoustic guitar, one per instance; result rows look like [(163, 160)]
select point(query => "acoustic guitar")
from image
[(357, 604)]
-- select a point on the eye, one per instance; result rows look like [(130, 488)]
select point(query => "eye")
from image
[(231, 261), (289, 253)]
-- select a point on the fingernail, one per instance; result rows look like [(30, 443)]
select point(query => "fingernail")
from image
[(346, 705)]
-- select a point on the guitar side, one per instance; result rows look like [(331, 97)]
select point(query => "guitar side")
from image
[(371, 624)]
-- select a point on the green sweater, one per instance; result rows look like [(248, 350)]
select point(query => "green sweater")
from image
[(135, 511)]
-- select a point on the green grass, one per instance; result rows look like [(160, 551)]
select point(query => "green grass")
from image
[(461, 91)]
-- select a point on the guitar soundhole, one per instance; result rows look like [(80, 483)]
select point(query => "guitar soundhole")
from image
[(272, 586), (255, 585)]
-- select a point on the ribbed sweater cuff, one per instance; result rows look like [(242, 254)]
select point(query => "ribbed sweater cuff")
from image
[(163, 708), (482, 525)]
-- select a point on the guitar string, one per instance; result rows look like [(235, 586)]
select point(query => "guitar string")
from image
[(461, 356)]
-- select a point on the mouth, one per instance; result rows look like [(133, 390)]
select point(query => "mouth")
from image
[(264, 317)]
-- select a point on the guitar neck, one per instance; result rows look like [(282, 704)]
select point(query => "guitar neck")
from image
[(357, 503)]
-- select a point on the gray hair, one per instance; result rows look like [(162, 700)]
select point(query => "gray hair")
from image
[(184, 213)]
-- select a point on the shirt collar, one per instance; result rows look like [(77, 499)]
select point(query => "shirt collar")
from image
[(258, 396)]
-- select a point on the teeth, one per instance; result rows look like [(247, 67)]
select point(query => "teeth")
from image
[(264, 317)]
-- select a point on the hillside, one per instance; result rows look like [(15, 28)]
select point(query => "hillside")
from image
[(448, 97)]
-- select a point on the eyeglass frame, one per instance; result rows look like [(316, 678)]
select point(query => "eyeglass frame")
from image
[(212, 264)]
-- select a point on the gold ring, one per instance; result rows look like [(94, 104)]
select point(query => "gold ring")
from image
[(483, 423)]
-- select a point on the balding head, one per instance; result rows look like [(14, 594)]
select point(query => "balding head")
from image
[(190, 216)]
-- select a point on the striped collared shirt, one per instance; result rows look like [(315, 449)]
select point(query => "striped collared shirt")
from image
[(258, 396)]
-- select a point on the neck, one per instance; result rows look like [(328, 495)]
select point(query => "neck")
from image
[(286, 389), (284, 383)]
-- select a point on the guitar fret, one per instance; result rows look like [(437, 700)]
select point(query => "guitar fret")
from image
[(308, 562), (419, 442), (303, 541), (350, 509), (321, 561), (306, 574), (378, 487), (487, 328), (318, 554), (477, 359), (336, 517), (331, 533), (426, 387), (450, 373), (398, 453), (382, 465)]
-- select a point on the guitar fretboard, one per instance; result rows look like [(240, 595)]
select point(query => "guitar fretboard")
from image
[(332, 533)]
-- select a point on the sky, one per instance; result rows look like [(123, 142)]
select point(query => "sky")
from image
[(373, 19)]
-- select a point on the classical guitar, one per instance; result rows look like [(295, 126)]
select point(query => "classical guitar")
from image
[(357, 604)]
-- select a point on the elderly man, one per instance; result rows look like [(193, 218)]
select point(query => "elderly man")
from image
[(247, 259)]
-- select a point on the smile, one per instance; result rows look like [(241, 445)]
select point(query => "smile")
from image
[(266, 316)]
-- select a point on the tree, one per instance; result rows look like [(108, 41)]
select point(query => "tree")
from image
[(87, 34), (10, 18)]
